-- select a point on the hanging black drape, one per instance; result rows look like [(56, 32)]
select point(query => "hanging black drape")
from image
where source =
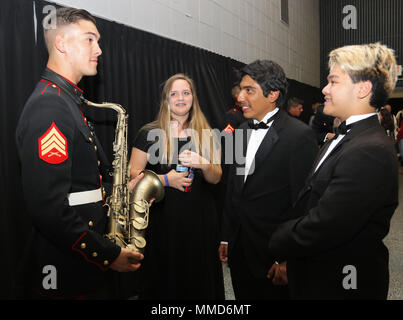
[(18, 73), (132, 68)]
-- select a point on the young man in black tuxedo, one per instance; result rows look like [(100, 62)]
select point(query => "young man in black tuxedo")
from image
[(279, 152), (335, 249)]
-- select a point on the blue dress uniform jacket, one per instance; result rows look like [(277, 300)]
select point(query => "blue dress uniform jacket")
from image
[(58, 157), (233, 119)]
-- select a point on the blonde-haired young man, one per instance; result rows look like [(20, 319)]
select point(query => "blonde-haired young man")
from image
[(335, 250)]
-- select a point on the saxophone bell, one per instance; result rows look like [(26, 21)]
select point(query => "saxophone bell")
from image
[(148, 188)]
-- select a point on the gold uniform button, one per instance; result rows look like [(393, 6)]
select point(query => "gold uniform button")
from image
[(54, 86), (99, 163), (106, 262), (83, 246), (90, 139), (94, 254), (91, 224), (95, 148)]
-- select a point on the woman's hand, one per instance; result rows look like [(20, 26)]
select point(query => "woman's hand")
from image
[(133, 182), (179, 180), (192, 160), (212, 173)]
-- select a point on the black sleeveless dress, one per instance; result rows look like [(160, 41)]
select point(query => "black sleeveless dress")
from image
[(181, 257)]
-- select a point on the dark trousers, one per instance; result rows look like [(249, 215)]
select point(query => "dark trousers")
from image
[(248, 287)]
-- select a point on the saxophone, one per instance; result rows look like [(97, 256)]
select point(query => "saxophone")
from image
[(128, 212)]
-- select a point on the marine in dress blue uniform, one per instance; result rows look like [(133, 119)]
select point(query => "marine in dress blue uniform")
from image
[(59, 161), (67, 255)]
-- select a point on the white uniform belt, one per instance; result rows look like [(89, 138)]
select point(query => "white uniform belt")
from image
[(84, 197)]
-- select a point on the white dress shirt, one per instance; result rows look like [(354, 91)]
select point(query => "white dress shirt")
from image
[(340, 137), (254, 143), (255, 140)]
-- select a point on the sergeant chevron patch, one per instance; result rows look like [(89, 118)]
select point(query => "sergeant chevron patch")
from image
[(229, 128), (52, 146)]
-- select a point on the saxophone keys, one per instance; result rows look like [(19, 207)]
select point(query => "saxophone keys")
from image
[(139, 242), (139, 223), (122, 220), (141, 207)]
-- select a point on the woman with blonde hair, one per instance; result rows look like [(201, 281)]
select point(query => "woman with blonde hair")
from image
[(182, 237)]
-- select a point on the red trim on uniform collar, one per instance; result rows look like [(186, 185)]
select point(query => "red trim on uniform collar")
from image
[(71, 83), (45, 89), (55, 85)]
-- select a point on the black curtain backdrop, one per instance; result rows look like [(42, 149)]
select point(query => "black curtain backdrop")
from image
[(132, 68)]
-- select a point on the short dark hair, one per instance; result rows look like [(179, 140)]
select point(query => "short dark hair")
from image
[(293, 102), (269, 75), (66, 16)]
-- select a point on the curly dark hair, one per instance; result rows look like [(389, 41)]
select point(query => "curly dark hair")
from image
[(269, 75), (387, 120)]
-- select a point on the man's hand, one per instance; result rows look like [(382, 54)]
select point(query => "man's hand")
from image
[(278, 273), (223, 252), (127, 261)]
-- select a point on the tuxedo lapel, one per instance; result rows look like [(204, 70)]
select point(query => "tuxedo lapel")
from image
[(361, 126), (240, 160), (320, 155), (265, 147), (268, 142), (355, 130)]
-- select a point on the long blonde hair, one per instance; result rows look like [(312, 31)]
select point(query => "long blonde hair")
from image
[(196, 121)]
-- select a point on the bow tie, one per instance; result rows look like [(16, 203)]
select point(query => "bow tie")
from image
[(342, 129), (255, 126), (261, 125)]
